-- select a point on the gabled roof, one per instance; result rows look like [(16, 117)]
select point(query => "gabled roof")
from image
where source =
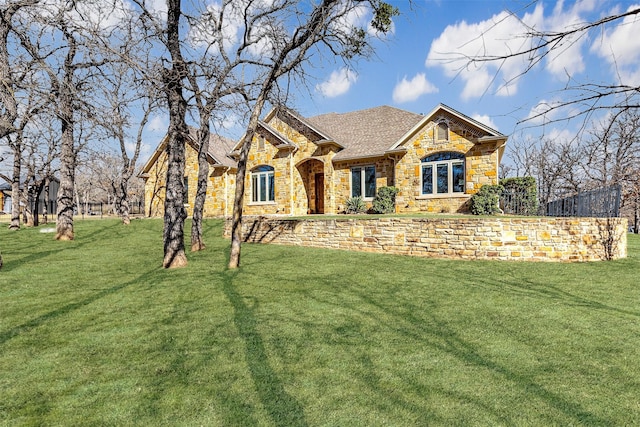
[(488, 133), (217, 155), (366, 133), (219, 148)]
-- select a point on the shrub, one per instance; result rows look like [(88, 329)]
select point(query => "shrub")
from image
[(522, 195), (355, 205), (385, 201), (485, 201)]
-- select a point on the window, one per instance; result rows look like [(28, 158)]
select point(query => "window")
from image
[(443, 173), (363, 182), (442, 132), (262, 185), (260, 143)]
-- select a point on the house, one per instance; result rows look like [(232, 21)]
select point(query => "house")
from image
[(222, 177), (6, 201), (301, 165)]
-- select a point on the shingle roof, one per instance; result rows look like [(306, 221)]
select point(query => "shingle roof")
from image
[(366, 133), (219, 147)]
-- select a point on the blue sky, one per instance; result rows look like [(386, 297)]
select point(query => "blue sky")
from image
[(412, 68), (409, 72)]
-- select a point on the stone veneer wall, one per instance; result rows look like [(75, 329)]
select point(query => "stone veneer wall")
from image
[(220, 187), (530, 239)]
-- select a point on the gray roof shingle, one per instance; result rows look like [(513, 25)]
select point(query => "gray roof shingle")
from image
[(366, 133), (219, 147)]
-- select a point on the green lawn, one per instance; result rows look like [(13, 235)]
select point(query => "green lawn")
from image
[(95, 332)]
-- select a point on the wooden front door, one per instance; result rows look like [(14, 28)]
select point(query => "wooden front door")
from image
[(319, 193)]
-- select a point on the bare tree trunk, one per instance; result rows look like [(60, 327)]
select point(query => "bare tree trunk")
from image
[(15, 191), (38, 187), (236, 218), (174, 212), (28, 207), (636, 215), (197, 242), (123, 203), (64, 224), (45, 210)]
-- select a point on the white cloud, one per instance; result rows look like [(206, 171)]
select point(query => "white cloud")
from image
[(560, 135), (97, 15), (499, 37), (485, 120), (359, 16), (157, 123), (351, 17), (338, 83), (203, 31), (410, 90), (620, 47), (158, 8), (543, 112)]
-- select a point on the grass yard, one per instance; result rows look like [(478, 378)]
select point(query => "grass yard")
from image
[(95, 332)]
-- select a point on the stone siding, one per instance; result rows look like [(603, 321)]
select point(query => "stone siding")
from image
[(220, 187), (522, 239), (294, 169), (481, 166)]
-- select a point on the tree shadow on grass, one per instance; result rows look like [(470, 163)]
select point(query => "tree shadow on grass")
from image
[(35, 254), (438, 335), (536, 288), (283, 409), (65, 309)]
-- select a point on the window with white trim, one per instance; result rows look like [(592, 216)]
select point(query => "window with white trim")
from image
[(262, 184), (363, 182), (443, 173)]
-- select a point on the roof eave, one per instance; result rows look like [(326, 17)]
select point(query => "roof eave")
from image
[(328, 143), (500, 138), (364, 157), (493, 133), (302, 120), (397, 150)]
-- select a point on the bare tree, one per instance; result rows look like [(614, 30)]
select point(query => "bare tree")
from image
[(15, 74), (70, 41), (554, 163), (579, 99), (320, 25), (123, 93), (273, 40), (611, 152), (612, 157)]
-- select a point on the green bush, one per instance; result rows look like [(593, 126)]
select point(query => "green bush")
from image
[(486, 201), (385, 201), (522, 195), (355, 205)]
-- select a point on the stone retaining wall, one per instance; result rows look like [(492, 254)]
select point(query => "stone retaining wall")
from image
[(530, 239)]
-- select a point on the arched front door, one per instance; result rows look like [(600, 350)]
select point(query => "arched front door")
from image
[(312, 174)]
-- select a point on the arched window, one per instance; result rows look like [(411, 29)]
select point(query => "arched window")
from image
[(443, 173), (442, 132), (262, 184)]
